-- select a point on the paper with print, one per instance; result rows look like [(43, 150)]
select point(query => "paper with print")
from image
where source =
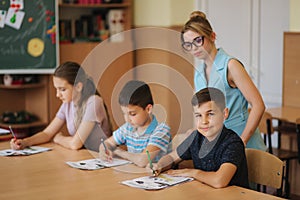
[(24, 152), (92, 164), (156, 183), (14, 18), (17, 4), (2, 18)]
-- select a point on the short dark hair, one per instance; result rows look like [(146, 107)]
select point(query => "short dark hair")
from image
[(136, 93), (209, 94)]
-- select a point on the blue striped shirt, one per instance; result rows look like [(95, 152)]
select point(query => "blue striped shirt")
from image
[(156, 134)]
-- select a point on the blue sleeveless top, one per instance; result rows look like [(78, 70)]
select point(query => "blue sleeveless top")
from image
[(235, 101)]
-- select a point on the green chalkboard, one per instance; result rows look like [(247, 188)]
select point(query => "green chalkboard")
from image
[(28, 39)]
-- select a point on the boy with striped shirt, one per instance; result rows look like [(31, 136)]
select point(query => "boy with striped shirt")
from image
[(141, 132)]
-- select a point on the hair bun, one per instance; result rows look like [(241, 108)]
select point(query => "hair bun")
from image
[(196, 14)]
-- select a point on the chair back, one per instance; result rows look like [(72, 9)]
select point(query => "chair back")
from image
[(264, 168), (266, 127), (298, 136)]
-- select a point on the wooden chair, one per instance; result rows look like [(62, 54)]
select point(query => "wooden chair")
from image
[(266, 127), (265, 169)]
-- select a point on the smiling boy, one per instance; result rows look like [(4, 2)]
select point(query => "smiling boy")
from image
[(218, 153)]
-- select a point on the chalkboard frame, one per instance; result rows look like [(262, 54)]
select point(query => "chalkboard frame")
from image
[(50, 55)]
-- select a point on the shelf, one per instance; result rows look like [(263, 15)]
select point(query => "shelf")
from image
[(108, 5), (5, 137), (27, 125), (23, 86)]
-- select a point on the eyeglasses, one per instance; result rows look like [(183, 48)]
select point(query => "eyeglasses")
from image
[(197, 42)]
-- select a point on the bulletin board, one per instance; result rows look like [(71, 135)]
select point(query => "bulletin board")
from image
[(28, 36)]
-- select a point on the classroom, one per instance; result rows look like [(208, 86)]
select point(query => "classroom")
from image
[(116, 41)]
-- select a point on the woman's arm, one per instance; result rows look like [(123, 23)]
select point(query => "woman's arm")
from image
[(41, 137), (239, 78)]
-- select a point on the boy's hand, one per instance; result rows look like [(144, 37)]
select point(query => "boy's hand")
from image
[(156, 169), (105, 154), (182, 172), (17, 144)]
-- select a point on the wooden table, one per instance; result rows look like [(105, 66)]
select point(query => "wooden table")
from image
[(46, 176), (286, 113), (289, 114)]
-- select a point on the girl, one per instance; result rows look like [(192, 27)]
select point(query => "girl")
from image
[(82, 110), (225, 72)]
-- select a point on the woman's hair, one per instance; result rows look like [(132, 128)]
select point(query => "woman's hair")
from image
[(73, 73), (209, 94), (136, 93), (197, 23)]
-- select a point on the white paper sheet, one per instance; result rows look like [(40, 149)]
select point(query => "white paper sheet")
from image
[(92, 164), (156, 183), (25, 152)]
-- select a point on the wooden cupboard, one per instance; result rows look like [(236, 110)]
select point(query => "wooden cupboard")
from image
[(32, 97), (291, 70), (291, 96), (107, 62)]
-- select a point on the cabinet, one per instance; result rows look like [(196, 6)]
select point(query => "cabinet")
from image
[(291, 72), (108, 62), (32, 98), (291, 97)]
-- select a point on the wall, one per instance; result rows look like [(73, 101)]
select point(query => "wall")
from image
[(294, 15), (161, 13)]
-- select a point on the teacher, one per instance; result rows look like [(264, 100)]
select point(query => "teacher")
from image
[(220, 70)]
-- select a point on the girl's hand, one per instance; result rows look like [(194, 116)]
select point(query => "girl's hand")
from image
[(17, 144), (57, 137)]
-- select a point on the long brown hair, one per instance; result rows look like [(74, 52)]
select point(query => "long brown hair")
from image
[(73, 73)]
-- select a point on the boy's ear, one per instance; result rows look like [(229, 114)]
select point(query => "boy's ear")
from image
[(226, 113), (149, 108)]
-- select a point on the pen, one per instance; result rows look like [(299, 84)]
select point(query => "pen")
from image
[(12, 132), (150, 162)]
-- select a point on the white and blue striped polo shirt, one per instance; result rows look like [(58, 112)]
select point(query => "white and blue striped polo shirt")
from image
[(156, 134)]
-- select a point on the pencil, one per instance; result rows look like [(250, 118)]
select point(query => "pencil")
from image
[(102, 141), (12, 132), (150, 162)]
